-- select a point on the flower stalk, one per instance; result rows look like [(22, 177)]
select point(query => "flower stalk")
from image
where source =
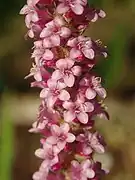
[(71, 93)]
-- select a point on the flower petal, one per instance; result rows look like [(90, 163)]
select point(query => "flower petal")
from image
[(77, 9), (61, 64), (55, 130), (48, 55), (51, 140), (76, 70), (55, 40), (75, 53), (61, 8), (69, 80), (89, 107), (90, 173), (69, 116), (44, 93), (40, 153), (82, 117), (45, 32), (65, 128), (51, 101), (24, 10), (56, 75), (87, 150), (90, 93), (61, 144), (70, 138), (101, 92), (65, 32), (64, 95), (72, 42), (88, 53)]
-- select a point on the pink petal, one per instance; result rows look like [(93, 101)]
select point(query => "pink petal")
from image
[(95, 18), (65, 128), (40, 153), (69, 80), (45, 32), (70, 62), (45, 164), (52, 84), (51, 101), (38, 76), (56, 75), (90, 93), (44, 93), (101, 92), (89, 107), (80, 138), (69, 116), (77, 70), (61, 144), (99, 148), (48, 55), (59, 21), (38, 175), (102, 14), (61, 8), (47, 43), (61, 64), (32, 2), (28, 20), (54, 161), (75, 163), (55, 40), (83, 117), (75, 53), (86, 164), (64, 95), (70, 138), (34, 17), (88, 53), (72, 42), (87, 150), (30, 33), (77, 9), (90, 173), (68, 105), (24, 10), (51, 140), (55, 130), (61, 85), (65, 32)]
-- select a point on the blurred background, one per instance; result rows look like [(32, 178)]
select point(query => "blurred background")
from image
[(19, 102)]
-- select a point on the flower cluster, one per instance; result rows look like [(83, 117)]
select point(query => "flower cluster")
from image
[(71, 94)]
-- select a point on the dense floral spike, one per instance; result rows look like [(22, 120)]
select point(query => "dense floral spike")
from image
[(71, 95)]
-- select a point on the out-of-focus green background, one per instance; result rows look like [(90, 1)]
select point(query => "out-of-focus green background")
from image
[(18, 102)]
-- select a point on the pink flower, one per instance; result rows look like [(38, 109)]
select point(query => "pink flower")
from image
[(94, 87), (75, 5), (39, 126), (81, 46), (60, 136), (40, 53), (56, 29), (41, 174), (50, 155), (82, 171), (67, 71), (30, 11), (77, 110), (91, 142), (54, 91), (36, 72)]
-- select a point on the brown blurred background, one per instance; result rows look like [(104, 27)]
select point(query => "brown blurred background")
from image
[(19, 102)]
